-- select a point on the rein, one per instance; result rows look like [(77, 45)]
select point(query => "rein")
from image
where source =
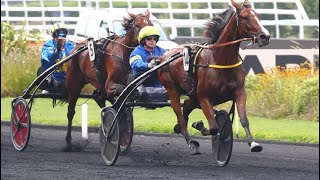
[(114, 41), (217, 46), (224, 44)]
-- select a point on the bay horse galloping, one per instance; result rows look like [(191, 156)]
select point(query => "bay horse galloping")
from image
[(114, 67), (218, 74)]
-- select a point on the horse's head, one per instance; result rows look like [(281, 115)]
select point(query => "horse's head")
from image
[(135, 22), (249, 24)]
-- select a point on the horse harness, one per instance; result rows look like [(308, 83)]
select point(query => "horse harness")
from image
[(190, 56), (96, 54)]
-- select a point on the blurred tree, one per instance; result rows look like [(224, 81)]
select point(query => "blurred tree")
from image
[(312, 8)]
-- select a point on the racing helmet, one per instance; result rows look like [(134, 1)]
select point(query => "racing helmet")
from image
[(59, 29), (148, 31)]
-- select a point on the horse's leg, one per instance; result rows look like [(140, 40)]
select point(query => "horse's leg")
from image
[(208, 111), (188, 107), (72, 100), (181, 127), (101, 103), (74, 86), (241, 98), (100, 99), (113, 89)]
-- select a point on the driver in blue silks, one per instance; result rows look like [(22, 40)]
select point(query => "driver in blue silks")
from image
[(151, 90), (54, 51)]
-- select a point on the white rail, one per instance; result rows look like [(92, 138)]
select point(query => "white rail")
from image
[(174, 15)]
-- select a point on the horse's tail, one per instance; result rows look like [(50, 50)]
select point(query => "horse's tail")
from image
[(60, 102)]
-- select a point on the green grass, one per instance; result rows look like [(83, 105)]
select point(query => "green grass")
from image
[(162, 120)]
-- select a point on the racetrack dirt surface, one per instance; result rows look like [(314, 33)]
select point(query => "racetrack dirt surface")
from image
[(151, 157)]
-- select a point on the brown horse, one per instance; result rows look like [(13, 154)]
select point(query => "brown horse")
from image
[(114, 68), (218, 76)]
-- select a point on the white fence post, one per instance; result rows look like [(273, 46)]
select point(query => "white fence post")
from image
[(84, 121)]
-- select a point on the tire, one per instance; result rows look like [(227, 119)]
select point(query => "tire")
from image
[(20, 128), (109, 140), (222, 142), (126, 130)]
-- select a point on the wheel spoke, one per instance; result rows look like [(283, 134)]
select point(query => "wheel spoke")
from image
[(104, 147), (17, 118), (111, 152), (15, 133), (222, 153), (21, 138), (24, 125), (106, 152), (227, 140)]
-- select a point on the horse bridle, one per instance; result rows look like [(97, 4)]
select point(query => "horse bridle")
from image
[(130, 26), (138, 16), (253, 37)]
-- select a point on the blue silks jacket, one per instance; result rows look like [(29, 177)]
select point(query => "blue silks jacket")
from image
[(138, 63), (49, 58)]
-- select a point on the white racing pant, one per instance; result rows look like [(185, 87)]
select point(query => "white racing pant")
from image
[(152, 94)]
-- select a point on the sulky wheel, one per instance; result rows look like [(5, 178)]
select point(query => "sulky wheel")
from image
[(126, 130), (20, 124), (223, 141), (109, 138)]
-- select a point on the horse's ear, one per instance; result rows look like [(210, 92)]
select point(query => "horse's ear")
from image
[(236, 5), (247, 4), (132, 15), (147, 13)]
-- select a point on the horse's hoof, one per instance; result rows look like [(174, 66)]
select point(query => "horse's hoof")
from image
[(194, 146), (255, 147), (177, 129)]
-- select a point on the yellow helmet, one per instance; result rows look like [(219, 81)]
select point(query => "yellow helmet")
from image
[(59, 29), (148, 31)]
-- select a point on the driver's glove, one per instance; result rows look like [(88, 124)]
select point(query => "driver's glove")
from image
[(152, 64)]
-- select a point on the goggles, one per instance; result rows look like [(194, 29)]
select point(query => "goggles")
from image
[(149, 38), (61, 33)]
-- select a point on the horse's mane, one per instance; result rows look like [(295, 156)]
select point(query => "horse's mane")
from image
[(215, 25), (126, 23)]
